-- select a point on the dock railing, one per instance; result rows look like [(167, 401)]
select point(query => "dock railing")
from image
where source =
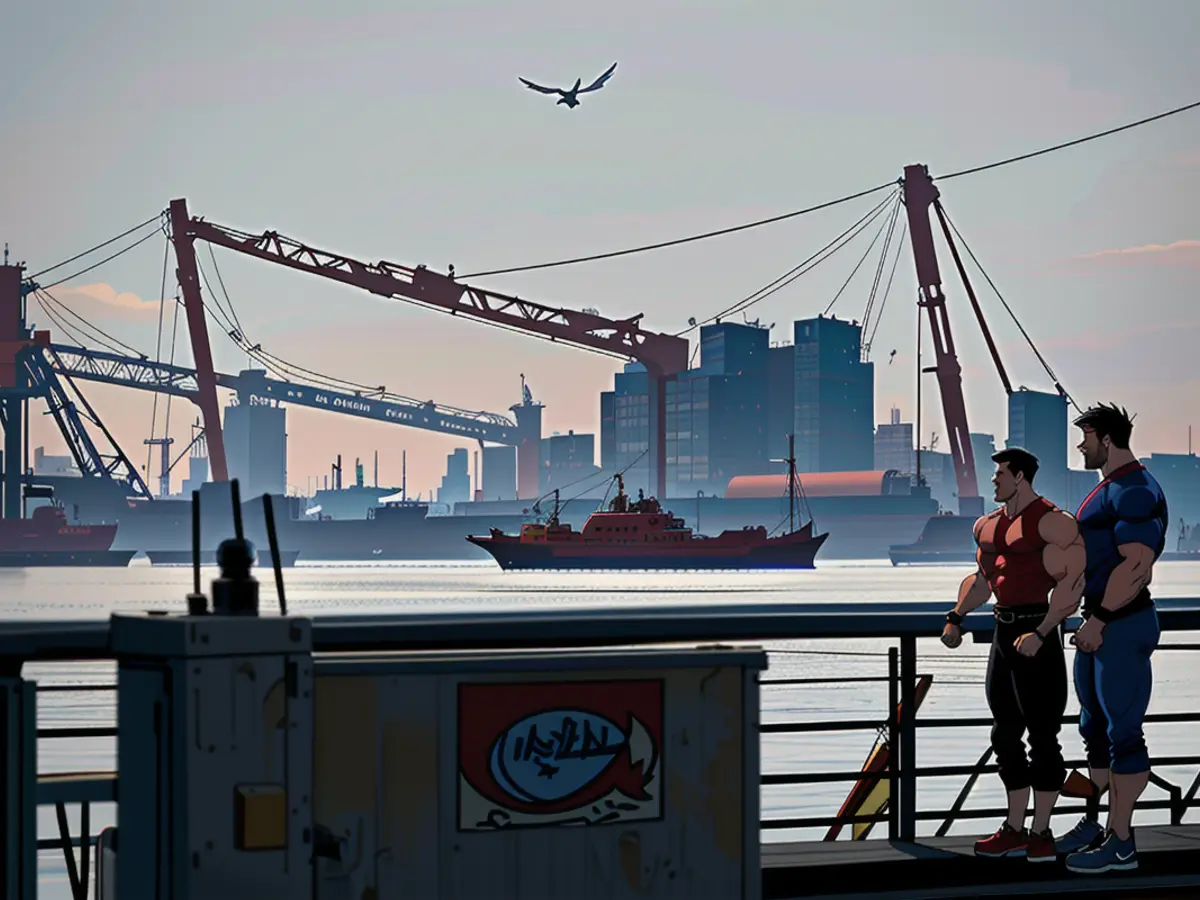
[(902, 625)]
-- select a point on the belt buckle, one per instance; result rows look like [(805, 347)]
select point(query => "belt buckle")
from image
[(1006, 617)]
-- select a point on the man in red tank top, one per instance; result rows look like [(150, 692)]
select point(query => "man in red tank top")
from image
[(1031, 558)]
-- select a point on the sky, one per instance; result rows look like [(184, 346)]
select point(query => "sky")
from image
[(399, 131)]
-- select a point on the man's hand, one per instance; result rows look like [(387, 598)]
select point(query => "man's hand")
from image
[(1029, 644), (1090, 635), (951, 636)]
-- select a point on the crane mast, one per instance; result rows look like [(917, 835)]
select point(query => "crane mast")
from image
[(920, 194), (188, 274), (663, 355)]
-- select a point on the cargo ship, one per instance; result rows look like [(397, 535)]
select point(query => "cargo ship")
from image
[(639, 534), (950, 540), (395, 531), (47, 539), (864, 512), (946, 539)]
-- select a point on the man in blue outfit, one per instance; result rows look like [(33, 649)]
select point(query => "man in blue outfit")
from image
[(1123, 523)]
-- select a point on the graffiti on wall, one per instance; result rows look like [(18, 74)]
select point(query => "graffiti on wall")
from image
[(573, 753)]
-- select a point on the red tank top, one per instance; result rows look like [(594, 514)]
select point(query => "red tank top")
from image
[(1018, 577)]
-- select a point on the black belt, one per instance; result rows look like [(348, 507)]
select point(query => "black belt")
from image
[(1009, 615)]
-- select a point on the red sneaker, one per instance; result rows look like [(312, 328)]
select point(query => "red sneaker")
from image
[(1005, 842), (1041, 847)]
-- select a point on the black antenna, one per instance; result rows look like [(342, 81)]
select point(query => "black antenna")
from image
[(197, 602), (237, 510), (273, 543)]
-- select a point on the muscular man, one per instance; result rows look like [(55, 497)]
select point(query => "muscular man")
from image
[(1031, 558), (1124, 525)]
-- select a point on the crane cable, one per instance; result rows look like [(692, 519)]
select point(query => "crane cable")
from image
[(157, 217), (1012, 315), (873, 295), (97, 265), (846, 199), (888, 290), (800, 269), (861, 260)]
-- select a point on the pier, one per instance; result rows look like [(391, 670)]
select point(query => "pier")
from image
[(283, 749)]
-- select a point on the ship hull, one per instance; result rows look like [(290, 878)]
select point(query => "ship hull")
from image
[(20, 559), (512, 555), (287, 558)]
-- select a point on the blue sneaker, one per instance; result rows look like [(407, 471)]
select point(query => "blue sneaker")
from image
[(1114, 855), (1086, 835)]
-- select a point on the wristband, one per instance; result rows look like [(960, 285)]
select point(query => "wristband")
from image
[(1102, 614), (1041, 637), (953, 618)]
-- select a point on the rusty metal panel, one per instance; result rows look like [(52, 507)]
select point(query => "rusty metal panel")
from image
[(592, 775)]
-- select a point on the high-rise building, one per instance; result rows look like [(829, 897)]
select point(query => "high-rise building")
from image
[(1037, 421), (255, 432), (894, 448), (1178, 474), (567, 459), (456, 483), (781, 401), (983, 447), (629, 437), (835, 397), (499, 473)]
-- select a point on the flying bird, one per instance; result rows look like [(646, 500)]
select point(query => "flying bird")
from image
[(571, 98)]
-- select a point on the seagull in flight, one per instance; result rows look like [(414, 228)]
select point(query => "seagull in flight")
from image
[(571, 98)]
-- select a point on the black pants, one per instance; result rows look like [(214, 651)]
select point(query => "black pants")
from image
[(1027, 694)]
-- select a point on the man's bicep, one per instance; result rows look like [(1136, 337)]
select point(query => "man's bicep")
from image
[(1148, 534), (1137, 552)]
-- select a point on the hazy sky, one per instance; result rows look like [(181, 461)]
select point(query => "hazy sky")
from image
[(399, 131)]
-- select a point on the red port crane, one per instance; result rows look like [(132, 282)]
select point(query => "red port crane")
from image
[(663, 355), (920, 194)]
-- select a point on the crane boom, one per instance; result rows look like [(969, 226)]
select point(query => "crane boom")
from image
[(920, 194), (662, 354)]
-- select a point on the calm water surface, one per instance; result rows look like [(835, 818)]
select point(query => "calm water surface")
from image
[(74, 594)]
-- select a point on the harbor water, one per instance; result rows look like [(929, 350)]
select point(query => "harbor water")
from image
[(74, 594)]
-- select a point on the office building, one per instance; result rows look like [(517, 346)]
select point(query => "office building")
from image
[(983, 446), (1037, 421), (894, 448), (499, 473), (781, 402), (835, 397), (1179, 476), (569, 459), (456, 483), (255, 432), (627, 433)]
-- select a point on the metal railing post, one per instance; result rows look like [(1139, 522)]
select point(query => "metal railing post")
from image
[(893, 744), (908, 739), (18, 788)]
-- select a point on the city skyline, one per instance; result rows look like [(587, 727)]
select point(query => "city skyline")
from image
[(1072, 239)]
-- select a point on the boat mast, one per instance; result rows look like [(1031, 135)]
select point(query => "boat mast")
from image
[(791, 461)]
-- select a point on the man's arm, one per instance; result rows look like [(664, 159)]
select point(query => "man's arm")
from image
[(975, 590), (1065, 560), (1138, 531)]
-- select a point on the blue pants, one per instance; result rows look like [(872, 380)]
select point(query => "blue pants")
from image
[(1113, 685)]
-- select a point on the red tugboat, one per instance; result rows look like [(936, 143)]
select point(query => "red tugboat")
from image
[(637, 534), (46, 539)]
